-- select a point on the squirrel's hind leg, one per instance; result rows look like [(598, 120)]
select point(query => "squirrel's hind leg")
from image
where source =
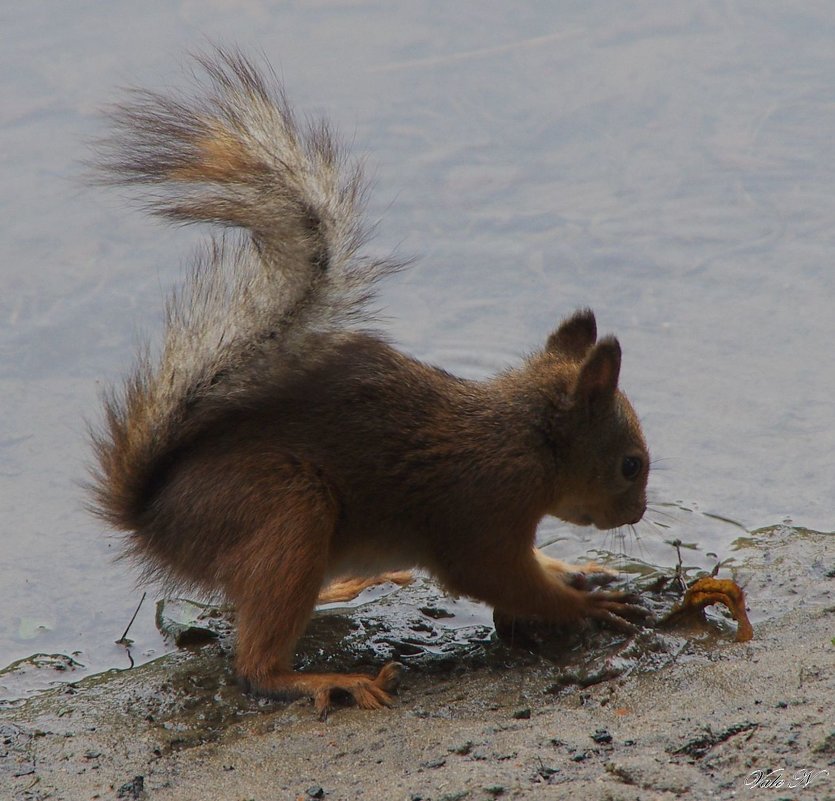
[(275, 576), (368, 692), (346, 589)]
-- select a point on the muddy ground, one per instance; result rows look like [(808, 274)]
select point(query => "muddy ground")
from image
[(664, 715)]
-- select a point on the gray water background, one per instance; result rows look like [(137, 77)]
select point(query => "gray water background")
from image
[(669, 164)]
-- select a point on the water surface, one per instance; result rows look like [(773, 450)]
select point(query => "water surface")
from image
[(670, 166)]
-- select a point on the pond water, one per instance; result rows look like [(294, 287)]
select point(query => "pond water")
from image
[(670, 165)]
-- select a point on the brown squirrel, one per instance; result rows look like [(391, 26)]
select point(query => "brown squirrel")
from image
[(278, 443)]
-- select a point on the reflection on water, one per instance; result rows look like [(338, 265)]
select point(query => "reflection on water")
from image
[(671, 167)]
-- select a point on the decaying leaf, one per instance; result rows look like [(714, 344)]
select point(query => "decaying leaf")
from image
[(185, 622), (708, 591)]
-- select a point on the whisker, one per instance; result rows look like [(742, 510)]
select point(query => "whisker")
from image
[(656, 511), (636, 539), (617, 539), (622, 542), (661, 529)]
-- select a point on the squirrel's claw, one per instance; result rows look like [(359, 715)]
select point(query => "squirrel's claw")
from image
[(367, 692), (617, 609), (582, 580)]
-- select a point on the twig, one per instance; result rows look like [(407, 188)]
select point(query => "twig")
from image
[(123, 640)]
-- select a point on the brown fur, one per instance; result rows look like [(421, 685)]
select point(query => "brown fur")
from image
[(219, 157), (289, 449)]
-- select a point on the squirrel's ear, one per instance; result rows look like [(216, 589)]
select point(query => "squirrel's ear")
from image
[(598, 379), (575, 335)]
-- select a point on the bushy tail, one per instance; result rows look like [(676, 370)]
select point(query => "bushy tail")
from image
[(236, 156)]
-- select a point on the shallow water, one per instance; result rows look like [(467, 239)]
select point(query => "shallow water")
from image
[(671, 167)]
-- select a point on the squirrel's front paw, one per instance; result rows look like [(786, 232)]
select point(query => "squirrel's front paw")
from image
[(581, 577), (616, 609), (590, 575)]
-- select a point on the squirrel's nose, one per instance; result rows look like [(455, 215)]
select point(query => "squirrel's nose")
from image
[(639, 515)]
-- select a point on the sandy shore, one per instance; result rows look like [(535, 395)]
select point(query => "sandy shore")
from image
[(699, 723)]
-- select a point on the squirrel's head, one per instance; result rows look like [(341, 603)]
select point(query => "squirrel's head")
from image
[(600, 453)]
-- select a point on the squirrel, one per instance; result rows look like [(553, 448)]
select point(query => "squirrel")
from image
[(279, 442)]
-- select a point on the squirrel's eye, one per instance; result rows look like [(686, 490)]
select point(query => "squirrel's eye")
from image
[(631, 467)]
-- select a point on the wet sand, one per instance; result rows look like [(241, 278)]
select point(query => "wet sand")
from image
[(699, 722)]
